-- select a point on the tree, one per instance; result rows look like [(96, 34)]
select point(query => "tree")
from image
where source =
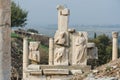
[(95, 35), (32, 30), (18, 16)]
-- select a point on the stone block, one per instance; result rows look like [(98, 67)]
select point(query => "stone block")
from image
[(65, 12), (36, 77), (55, 71), (33, 67), (90, 45), (34, 72), (34, 46), (54, 67), (57, 77), (76, 71)]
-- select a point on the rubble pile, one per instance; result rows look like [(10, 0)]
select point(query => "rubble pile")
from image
[(111, 69)]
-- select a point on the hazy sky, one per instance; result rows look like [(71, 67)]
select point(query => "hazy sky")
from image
[(82, 11)]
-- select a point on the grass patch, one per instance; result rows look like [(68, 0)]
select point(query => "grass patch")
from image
[(14, 35), (45, 48)]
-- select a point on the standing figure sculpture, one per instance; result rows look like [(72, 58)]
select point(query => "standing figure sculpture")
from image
[(60, 50), (34, 54), (60, 38), (59, 53), (81, 49)]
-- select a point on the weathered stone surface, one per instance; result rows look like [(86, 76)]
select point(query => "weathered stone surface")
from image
[(51, 51), (104, 78), (5, 53), (79, 53), (59, 77), (33, 67), (75, 67), (34, 53), (5, 13), (115, 46), (36, 77), (92, 53), (34, 72), (54, 66), (5, 39), (63, 14), (25, 57), (54, 77), (61, 41), (34, 46), (76, 72), (90, 45), (55, 71)]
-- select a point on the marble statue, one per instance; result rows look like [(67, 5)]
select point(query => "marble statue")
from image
[(80, 49), (59, 53), (34, 54), (60, 38)]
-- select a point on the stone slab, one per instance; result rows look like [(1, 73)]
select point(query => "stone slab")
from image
[(54, 66), (90, 45), (55, 71), (73, 67), (65, 12), (34, 72), (76, 72), (33, 67), (61, 77), (36, 78)]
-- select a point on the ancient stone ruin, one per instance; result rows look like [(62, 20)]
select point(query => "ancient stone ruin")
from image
[(69, 51)]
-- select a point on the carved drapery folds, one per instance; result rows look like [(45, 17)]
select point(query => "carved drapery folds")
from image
[(60, 49), (69, 47), (79, 48), (34, 54)]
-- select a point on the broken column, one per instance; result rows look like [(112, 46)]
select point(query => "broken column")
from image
[(115, 46), (25, 57), (5, 40), (63, 14), (51, 48), (61, 38)]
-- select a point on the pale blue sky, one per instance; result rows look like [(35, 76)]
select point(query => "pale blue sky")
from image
[(82, 11)]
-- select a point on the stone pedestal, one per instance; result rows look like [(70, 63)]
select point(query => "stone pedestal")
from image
[(5, 40), (115, 46), (25, 56)]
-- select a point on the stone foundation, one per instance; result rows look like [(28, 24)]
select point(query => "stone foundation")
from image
[(46, 72)]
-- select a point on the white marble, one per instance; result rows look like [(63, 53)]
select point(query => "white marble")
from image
[(25, 56), (51, 51), (55, 71), (79, 55), (115, 46), (34, 53)]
